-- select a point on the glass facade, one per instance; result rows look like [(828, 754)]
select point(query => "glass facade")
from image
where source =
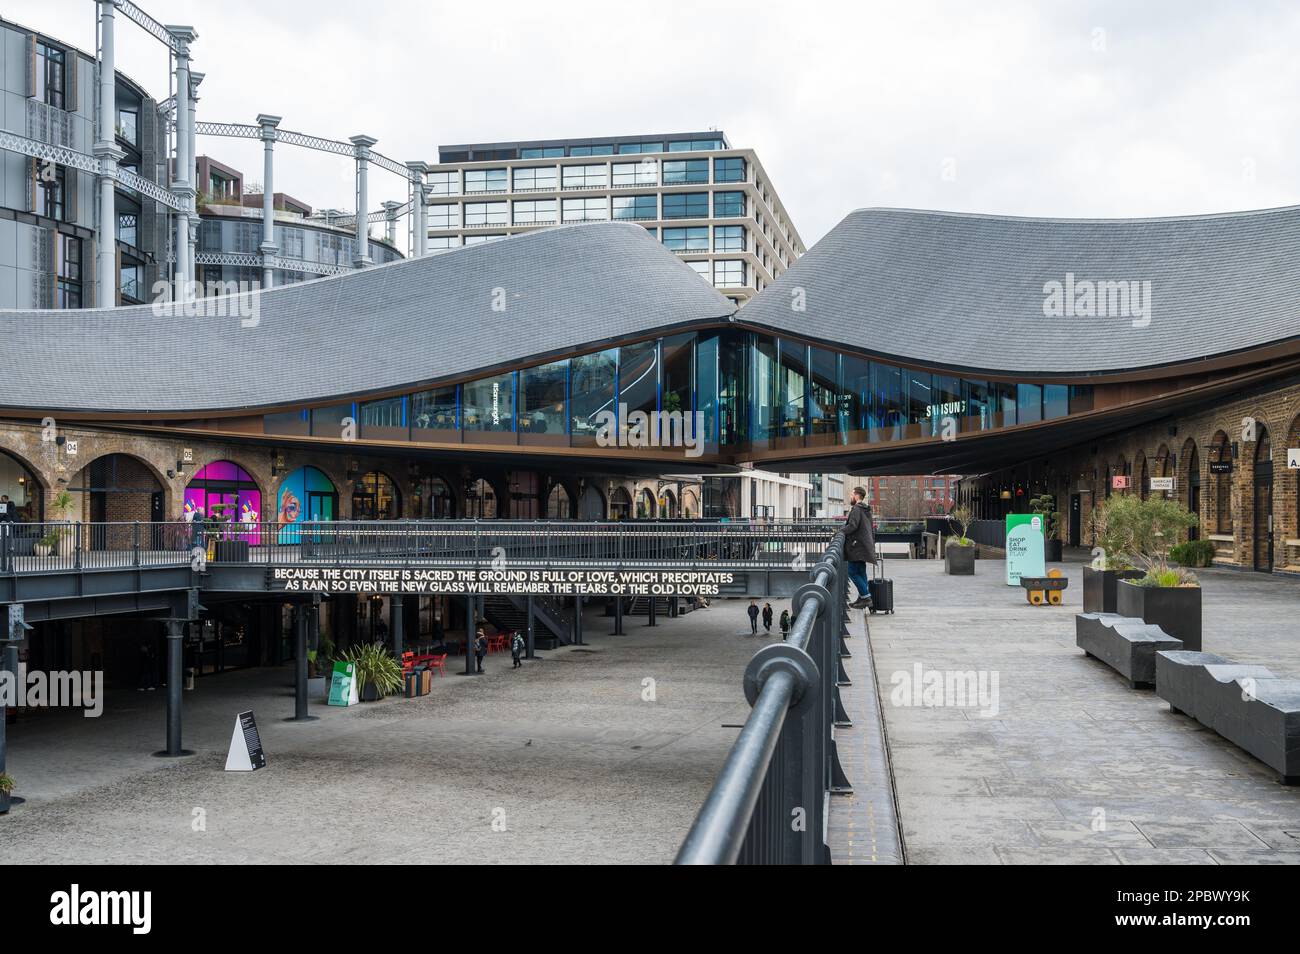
[(744, 390)]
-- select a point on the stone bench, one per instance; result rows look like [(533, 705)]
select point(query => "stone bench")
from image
[(1124, 643), (1247, 705)]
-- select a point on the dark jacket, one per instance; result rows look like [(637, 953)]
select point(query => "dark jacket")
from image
[(752, 611), (859, 539)]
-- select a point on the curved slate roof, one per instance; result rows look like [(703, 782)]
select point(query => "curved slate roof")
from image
[(377, 329), (967, 291)]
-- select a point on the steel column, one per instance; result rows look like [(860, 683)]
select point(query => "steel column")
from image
[(396, 622), (361, 254), (268, 247), (300, 663), (175, 645), (532, 622), (108, 154)]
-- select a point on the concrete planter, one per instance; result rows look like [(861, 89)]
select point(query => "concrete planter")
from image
[(1099, 588), (959, 560), (1175, 609), (318, 687)]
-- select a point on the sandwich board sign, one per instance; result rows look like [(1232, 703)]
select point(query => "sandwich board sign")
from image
[(343, 685), (1025, 548), (246, 753)]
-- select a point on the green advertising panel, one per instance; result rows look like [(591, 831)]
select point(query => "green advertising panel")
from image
[(1025, 549), (343, 685)]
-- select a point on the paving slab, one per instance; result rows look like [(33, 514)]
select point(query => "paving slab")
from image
[(1069, 743)]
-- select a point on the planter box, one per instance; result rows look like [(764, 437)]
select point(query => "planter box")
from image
[(318, 687), (369, 692), (1175, 609), (959, 560), (1052, 551), (230, 551), (1099, 588), (4, 803)]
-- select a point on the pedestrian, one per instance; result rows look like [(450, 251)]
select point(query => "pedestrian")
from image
[(753, 617), (785, 624), (767, 617), (859, 546), (6, 509), (480, 648), (147, 671), (516, 650)]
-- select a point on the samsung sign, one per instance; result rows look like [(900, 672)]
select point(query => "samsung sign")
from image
[(951, 409), (499, 581)]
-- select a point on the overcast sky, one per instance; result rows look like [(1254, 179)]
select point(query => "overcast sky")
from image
[(1049, 108)]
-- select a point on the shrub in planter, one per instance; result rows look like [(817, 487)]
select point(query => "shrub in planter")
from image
[(1045, 507), (1193, 553), (378, 673), (1110, 565), (6, 791), (1165, 596), (959, 553)]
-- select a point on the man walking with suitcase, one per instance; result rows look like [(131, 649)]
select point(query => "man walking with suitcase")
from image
[(859, 546)]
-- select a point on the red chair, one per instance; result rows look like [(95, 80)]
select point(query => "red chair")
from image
[(439, 663), (408, 662)]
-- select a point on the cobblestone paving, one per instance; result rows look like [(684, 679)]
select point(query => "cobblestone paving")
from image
[(1074, 767), (565, 752)]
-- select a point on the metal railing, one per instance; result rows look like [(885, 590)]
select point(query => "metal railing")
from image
[(769, 804), (60, 546)]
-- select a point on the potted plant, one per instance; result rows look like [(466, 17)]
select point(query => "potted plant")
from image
[(225, 547), (65, 539), (1045, 507), (1109, 565), (1165, 596), (46, 544), (378, 673), (1193, 553), (6, 792), (959, 553)]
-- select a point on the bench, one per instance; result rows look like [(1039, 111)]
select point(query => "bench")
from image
[(1124, 643), (1245, 704), (897, 548)]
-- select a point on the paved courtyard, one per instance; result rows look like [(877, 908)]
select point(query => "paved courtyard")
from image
[(1074, 767), (565, 754)]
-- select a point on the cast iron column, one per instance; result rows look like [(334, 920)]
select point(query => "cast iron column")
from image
[(396, 621), (268, 246), (175, 643), (108, 154), (530, 627), (361, 254)]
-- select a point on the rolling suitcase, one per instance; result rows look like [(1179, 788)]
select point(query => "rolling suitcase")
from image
[(882, 590)]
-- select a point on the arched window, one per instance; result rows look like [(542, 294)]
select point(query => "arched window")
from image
[(559, 506), (375, 497), (480, 500), (432, 499), (645, 504), (305, 495), (22, 488), (1221, 475), (620, 504), (224, 490)]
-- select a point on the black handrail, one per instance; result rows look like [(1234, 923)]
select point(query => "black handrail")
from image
[(768, 803)]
